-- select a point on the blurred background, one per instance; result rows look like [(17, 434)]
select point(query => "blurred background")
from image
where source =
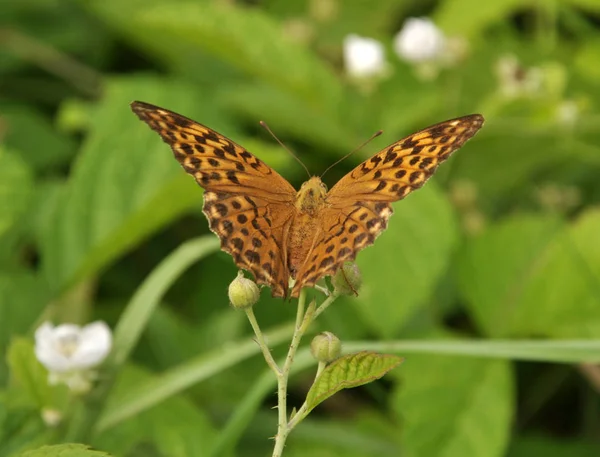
[(504, 242)]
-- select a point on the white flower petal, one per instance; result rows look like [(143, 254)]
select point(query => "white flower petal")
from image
[(363, 56), (419, 40), (94, 346), (68, 347)]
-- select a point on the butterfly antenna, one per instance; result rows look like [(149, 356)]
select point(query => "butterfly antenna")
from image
[(375, 135), (266, 127)]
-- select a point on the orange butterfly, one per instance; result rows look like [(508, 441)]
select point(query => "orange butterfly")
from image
[(279, 233)]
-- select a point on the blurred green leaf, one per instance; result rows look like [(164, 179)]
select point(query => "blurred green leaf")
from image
[(494, 267), (526, 446), (29, 374), (468, 18), (124, 186), (350, 370), (34, 139), (21, 427), (15, 189), (401, 269), (505, 156), (23, 296), (175, 427), (242, 37), (534, 276), (452, 406), (64, 450)]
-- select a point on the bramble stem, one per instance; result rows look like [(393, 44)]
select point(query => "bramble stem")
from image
[(260, 339), (282, 380), (305, 315)]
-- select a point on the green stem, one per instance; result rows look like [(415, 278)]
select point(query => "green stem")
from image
[(260, 339), (303, 411), (282, 378)]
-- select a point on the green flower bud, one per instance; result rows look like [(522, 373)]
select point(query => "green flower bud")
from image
[(347, 280), (243, 292), (326, 347)]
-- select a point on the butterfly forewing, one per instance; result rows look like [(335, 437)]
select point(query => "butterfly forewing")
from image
[(247, 203), (358, 206), (405, 165), (265, 225), (216, 162)]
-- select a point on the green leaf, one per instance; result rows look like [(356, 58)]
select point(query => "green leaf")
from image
[(527, 445), (142, 396), (402, 268), (64, 450), (507, 154), (23, 295), (125, 184), (29, 374), (34, 138), (452, 406), (15, 189), (469, 17), (243, 37), (175, 428), (533, 275), (349, 371)]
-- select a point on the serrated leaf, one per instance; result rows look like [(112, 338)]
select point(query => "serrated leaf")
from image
[(401, 269), (453, 406), (64, 450), (349, 371)]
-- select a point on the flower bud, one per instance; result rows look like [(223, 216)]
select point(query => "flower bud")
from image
[(326, 347), (348, 279), (243, 292)]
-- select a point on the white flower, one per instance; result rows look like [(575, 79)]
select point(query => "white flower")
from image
[(518, 81), (69, 347), (51, 417), (419, 41), (363, 56)]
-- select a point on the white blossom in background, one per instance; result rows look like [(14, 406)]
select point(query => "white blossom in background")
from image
[(70, 352), (363, 57), (517, 81), (567, 113), (51, 417), (419, 41)]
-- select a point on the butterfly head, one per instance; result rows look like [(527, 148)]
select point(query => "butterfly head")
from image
[(311, 196)]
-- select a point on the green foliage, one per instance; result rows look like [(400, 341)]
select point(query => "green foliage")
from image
[(349, 371), (501, 250), (64, 450)]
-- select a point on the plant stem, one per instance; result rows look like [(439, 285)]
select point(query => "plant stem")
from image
[(303, 411), (304, 317), (282, 378), (260, 339)]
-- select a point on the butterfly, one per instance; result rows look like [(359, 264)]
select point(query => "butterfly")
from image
[(279, 233)]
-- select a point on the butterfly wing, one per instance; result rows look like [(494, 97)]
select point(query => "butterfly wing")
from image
[(248, 204), (358, 206)]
